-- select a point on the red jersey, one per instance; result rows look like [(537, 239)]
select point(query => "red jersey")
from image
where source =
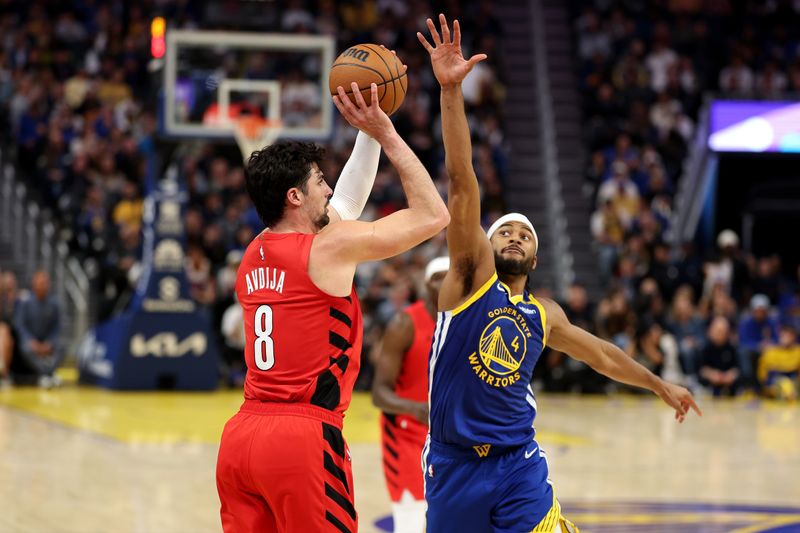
[(403, 436), (412, 382), (302, 345)]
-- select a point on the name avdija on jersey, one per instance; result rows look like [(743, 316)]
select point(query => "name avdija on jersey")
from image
[(265, 278)]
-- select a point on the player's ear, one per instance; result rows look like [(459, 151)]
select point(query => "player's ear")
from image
[(534, 263), (294, 196)]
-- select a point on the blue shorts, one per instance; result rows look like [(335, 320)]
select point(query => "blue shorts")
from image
[(489, 489)]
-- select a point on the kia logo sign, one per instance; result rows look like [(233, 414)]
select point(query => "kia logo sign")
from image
[(167, 345)]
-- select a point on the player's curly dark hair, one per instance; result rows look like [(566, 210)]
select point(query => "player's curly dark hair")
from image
[(271, 172)]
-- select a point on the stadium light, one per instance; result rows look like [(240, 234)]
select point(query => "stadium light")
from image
[(158, 45)]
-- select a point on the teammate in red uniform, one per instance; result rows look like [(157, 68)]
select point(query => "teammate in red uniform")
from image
[(283, 465), (400, 391)]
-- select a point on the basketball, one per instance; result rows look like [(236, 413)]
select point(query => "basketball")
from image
[(366, 64)]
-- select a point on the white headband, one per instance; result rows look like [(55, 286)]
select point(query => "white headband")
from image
[(515, 217), (436, 265)]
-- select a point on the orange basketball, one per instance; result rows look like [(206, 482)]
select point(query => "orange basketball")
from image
[(366, 64)]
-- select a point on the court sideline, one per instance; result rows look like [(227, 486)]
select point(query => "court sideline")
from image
[(144, 462)]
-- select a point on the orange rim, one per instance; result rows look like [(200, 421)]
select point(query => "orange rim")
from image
[(251, 126)]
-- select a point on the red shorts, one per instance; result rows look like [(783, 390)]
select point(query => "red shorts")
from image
[(402, 438), (285, 468)]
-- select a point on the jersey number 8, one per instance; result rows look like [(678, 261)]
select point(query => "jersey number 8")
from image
[(264, 347)]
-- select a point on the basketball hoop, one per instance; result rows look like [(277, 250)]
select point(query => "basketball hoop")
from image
[(254, 133)]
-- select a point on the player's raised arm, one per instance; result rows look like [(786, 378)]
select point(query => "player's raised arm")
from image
[(470, 252), (610, 361), (356, 180), (339, 247)]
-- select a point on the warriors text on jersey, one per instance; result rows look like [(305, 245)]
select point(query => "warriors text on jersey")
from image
[(302, 345), (480, 369)]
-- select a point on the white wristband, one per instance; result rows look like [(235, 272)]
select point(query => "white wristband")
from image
[(357, 177)]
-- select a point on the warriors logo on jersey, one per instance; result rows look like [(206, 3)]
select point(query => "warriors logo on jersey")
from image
[(502, 347)]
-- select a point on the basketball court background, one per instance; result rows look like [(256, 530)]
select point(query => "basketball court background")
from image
[(81, 460)]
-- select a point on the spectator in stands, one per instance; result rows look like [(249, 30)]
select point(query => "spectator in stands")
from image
[(233, 344), (628, 276), (647, 347), (737, 78), (8, 302), (226, 277), (622, 192), (757, 331), (779, 366), (199, 275), (616, 321), (649, 303), (609, 232), (766, 278), (663, 271), (660, 59), (771, 82), (690, 269), (594, 40), (686, 325), (128, 211), (789, 303), (37, 321), (9, 296), (729, 270), (719, 367)]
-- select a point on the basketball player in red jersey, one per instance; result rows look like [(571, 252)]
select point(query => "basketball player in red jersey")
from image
[(400, 391), (283, 465)]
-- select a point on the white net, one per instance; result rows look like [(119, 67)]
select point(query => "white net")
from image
[(254, 133)]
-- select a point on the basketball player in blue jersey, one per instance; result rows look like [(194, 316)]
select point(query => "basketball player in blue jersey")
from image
[(484, 472)]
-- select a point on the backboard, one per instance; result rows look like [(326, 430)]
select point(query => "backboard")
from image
[(211, 77)]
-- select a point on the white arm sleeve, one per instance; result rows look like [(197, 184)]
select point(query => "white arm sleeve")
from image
[(357, 177)]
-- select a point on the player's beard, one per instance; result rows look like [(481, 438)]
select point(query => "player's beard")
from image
[(512, 267), (322, 220)]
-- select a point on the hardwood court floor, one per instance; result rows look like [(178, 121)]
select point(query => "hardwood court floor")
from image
[(88, 460)]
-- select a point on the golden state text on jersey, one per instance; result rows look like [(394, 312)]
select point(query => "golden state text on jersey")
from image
[(480, 368)]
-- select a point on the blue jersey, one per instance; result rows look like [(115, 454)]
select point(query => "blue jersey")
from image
[(480, 368)]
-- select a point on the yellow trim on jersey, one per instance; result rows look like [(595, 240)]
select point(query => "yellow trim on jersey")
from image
[(550, 520), (518, 298), (514, 299), (539, 306), (480, 292), (554, 521)]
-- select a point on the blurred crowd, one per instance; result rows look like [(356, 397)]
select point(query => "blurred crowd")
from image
[(725, 325), (79, 101), (643, 69)]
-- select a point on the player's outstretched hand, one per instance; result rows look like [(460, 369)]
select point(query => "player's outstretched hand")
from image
[(449, 65), (369, 118), (679, 399)]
